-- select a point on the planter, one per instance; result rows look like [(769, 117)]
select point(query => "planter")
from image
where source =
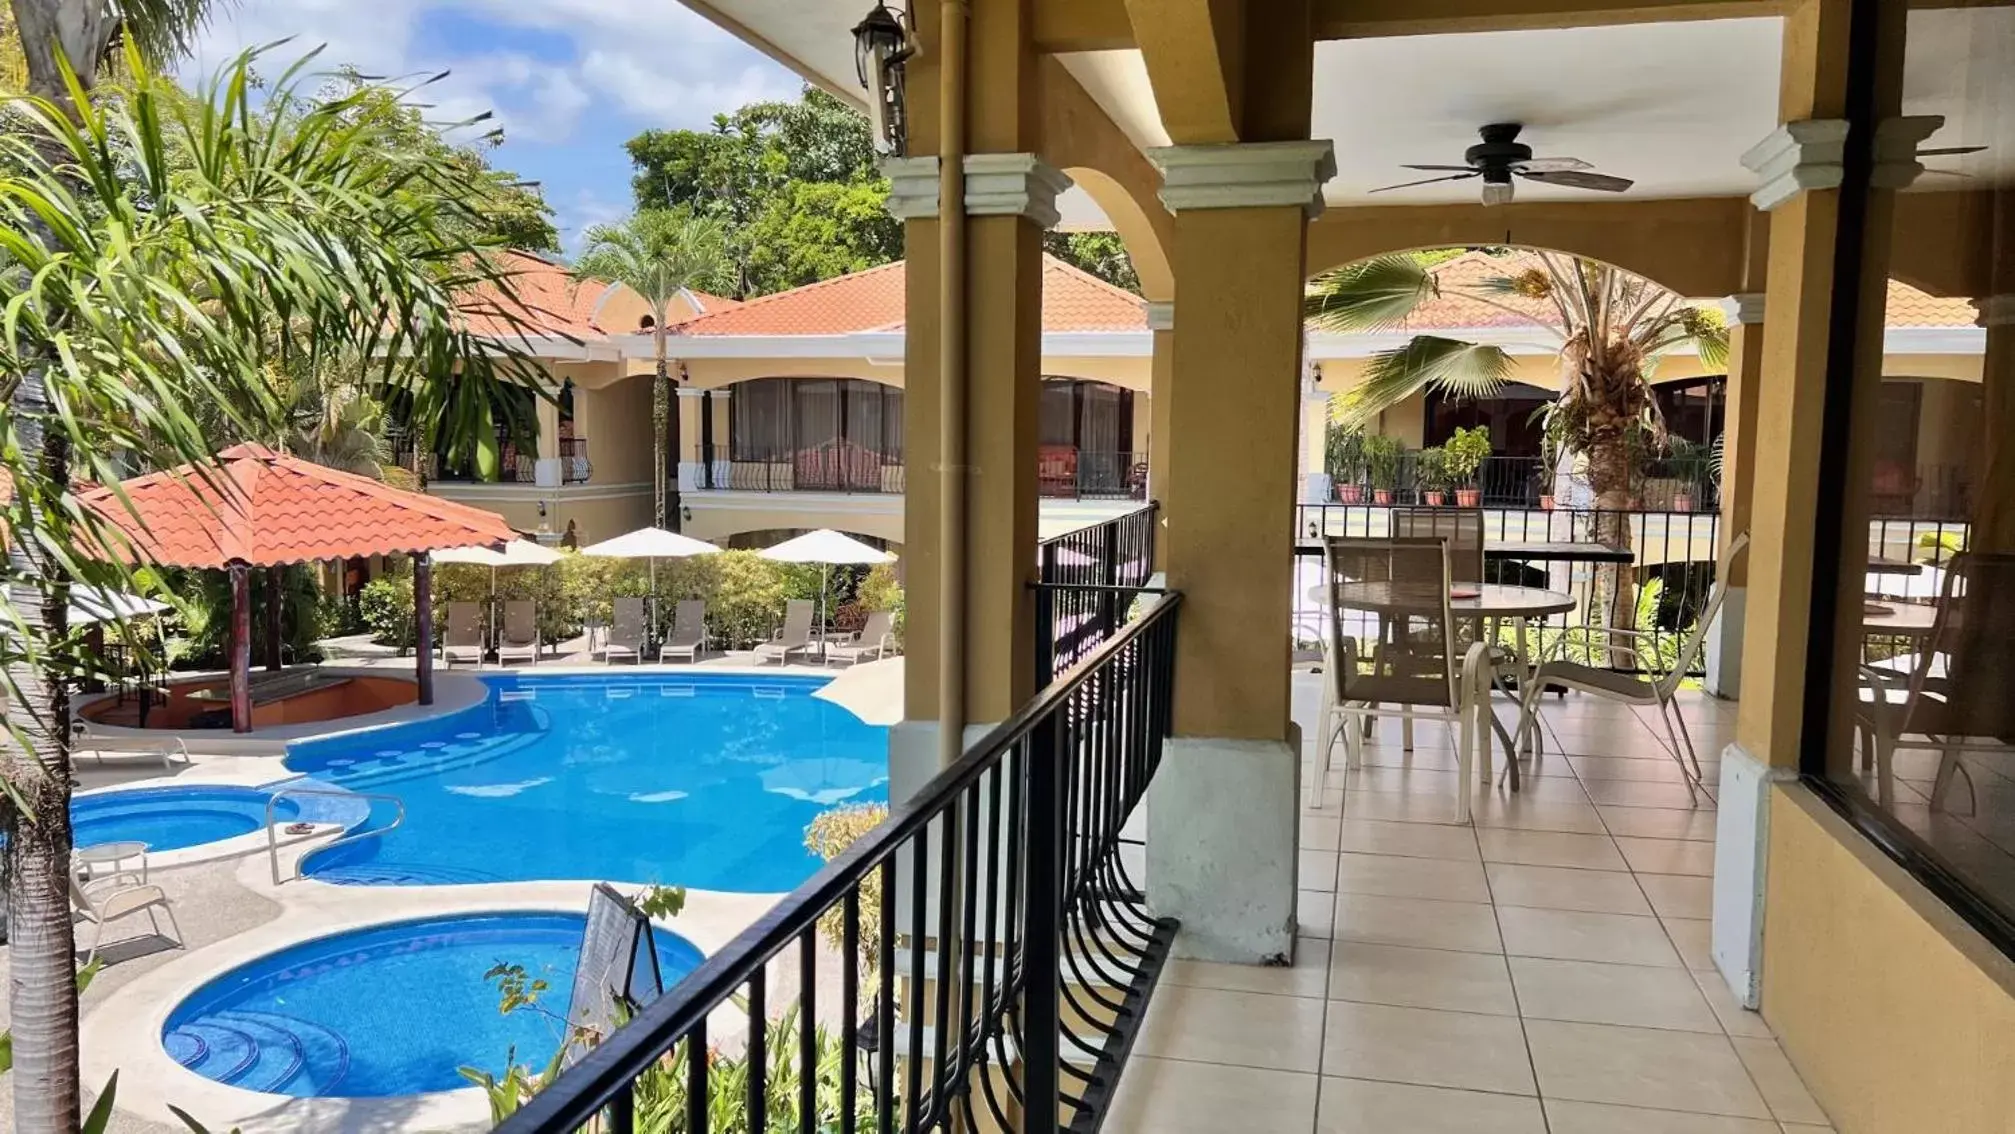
[(1682, 502), (1436, 499), (1546, 503), (1349, 493), (1381, 496), (1469, 497)]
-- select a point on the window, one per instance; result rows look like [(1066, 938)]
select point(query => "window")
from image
[(776, 419)]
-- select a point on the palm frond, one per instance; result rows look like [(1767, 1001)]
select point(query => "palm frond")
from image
[(1370, 295), (1454, 367)]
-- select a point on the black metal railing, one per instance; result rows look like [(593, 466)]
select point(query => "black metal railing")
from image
[(1064, 472), (1674, 484), (839, 467), (981, 960), (1085, 584), (575, 468)]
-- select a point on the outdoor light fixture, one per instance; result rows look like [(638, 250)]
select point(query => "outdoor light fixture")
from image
[(882, 43)]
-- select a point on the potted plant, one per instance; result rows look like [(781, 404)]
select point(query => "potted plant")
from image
[(1687, 462), (1382, 458), (1344, 456), (1430, 471), (1466, 451)]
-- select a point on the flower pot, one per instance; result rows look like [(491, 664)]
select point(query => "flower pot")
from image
[(1349, 493), (1546, 503), (1468, 497), (1682, 502), (1381, 496), (1436, 499)]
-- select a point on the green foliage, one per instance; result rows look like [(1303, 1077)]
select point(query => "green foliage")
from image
[(829, 835), (1103, 254), (658, 902), (1383, 457), (1344, 452), (815, 230), (1369, 295), (882, 590), (386, 607), (205, 610), (1431, 469), (1937, 548), (1467, 449)]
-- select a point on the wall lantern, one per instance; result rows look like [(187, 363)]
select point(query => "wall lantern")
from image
[(882, 43)]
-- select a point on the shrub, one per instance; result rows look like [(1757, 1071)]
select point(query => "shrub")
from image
[(1466, 450), (205, 611), (882, 590), (829, 835), (386, 605)]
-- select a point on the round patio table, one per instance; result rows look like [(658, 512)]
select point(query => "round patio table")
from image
[(1900, 620), (111, 855)]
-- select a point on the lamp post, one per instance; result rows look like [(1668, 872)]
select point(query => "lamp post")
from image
[(881, 44)]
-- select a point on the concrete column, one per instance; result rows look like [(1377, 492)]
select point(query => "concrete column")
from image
[(1738, 485), (1994, 511), (547, 471), (1160, 396), (691, 408), (1222, 813)]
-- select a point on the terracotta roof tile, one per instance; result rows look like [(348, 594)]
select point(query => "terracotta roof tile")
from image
[(265, 508), (550, 300), (1073, 301), (1909, 307)]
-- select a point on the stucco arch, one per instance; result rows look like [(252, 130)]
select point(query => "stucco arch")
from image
[(1079, 138), (1136, 227), (718, 373), (867, 516)]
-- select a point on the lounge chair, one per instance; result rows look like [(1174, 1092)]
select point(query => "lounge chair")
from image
[(464, 641), (83, 738), (877, 639), (796, 636), (119, 897), (626, 632), (520, 638), (689, 632)]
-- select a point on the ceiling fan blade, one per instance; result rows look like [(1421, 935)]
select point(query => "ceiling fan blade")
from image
[(1551, 165), (1578, 179), (1444, 168), (1426, 181), (1950, 151)]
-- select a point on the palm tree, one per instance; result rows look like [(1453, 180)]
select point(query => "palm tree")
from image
[(1610, 328), (154, 244), (659, 253)]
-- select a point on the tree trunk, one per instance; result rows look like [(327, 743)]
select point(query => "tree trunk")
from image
[(1609, 475), (665, 435), (42, 990)]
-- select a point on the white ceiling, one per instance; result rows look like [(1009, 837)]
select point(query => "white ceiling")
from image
[(812, 37), (1960, 63)]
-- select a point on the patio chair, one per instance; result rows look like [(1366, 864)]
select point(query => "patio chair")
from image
[(1398, 590), (464, 639), (689, 631), (795, 637), (121, 896), (627, 632), (876, 639), (1647, 689), (83, 738), (1954, 692), (1461, 527), (520, 638)]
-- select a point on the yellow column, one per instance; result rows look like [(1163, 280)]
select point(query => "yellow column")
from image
[(691, 405), (1161, 395), (1994, 514), (1738, 484)]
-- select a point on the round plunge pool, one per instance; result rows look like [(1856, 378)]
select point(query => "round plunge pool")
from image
[(174, 817), (393, 1009)]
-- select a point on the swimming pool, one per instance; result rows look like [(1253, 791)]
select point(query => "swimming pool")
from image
[(391, 1010), (173, 817), (698, 780)]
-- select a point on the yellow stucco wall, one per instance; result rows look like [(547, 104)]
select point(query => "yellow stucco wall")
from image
[(714, 518), (616, 420), (604, 517), (1899, 1016)]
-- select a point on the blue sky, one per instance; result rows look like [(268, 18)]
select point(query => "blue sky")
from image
[(570, 80)]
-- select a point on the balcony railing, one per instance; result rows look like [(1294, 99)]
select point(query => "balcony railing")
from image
[(516, 466), (837, 467), (1678, 484), (1087, 581), (981, 960), (1068, 472)]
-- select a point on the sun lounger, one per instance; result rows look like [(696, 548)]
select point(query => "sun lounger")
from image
[(626, 632), (85, 739), (464, 640), (877, 639), (796, 636), (121, 897), (689, 632), (521, 632)]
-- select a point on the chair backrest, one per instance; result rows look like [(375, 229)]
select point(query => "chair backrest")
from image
[(689, 622), (798, 620), (465, 624), (1696, 639), (82, 900), (880, 624), (1461, 527), (1970, 655), (628, 622), (521, 620), (1392, 594)]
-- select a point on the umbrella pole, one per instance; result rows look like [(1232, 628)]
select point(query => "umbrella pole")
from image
[(825, 582)]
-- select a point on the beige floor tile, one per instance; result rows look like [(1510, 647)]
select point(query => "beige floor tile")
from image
[(1675, 895), (1414, 840), (1544, 789), (1425, 1047), (1166, 1096), (1562, 888), (1319, 832), (1393, 756), (1668, 856), (1735, 1019), (1638, 793), (1595, 1118), (1694, 938), (1314, 913), (1782, 1089), (1420, 978), (1308, 976), (1540, 815), (1591, 993), (1317, 871), (1627, 768), (1549, 848), (1571, 936), (1328, 805), (1355, 1106), (1642, 1067), (1398, 807), (1422, 781), (1397, 877), (1464, 926), (1657, 822), (1249, 1029)]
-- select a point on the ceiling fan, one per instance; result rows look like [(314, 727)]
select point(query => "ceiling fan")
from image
[(1500, 156)]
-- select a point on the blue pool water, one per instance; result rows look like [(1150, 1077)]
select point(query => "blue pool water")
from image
[(391, 1010), (170, 818), (705, 781)]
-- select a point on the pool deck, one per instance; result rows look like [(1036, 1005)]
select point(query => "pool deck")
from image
[(231, 912)]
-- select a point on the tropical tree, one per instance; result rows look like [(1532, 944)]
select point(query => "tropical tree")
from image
[(1610, 329), (153, 243), (659, 253)]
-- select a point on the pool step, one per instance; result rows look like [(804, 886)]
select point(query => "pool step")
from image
[(378, 772), (376, 873), (262, 1051)]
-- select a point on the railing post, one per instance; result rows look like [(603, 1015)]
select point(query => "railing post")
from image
[(1045, 624), (1042, 947), (1108, 601)]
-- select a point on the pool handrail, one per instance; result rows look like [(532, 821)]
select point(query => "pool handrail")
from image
[(348, 836)]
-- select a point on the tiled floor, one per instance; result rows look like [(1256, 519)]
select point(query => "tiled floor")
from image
[(1544, 971)]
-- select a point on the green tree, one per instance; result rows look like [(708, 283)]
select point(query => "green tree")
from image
[(157, 243), (658, 253), (815, 230), (1103, 254)]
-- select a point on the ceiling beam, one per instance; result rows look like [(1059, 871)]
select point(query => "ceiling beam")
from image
[(1194, 51)]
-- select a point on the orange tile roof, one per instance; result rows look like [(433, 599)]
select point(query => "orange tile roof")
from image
[(264, 508), (1909, 307), (549, 300), (872, 300)]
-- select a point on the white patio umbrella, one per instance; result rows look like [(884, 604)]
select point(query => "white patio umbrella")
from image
[(825, 547), (652, 544), (96, 604), (517, 553)]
